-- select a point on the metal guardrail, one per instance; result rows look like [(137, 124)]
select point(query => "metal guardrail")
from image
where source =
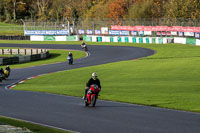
[(23, 59), (22, 51)]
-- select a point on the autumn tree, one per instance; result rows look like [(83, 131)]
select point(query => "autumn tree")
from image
[(183, 9), (158, 10), (2, 17), (118, 9), (43, 8), (57, 9), (141, 9)]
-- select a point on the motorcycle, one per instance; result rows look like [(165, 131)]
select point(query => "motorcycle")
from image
[(92, 95), (6, 73), (70, 60), (84, 47)]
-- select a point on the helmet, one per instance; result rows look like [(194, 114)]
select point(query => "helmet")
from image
[(94, 75), (69, 52)]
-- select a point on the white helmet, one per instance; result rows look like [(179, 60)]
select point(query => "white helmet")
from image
[(94, 75)]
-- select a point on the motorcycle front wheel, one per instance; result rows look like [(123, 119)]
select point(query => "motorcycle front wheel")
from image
[(86, 103), (94, 101)]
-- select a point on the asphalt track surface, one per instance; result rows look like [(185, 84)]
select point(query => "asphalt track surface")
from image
[(69, 113)]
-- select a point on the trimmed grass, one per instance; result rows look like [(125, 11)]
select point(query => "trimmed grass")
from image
[(168, 79), (11, 29), (33, 127)]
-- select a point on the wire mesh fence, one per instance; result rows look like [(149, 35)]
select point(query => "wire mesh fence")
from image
[(96, 24)]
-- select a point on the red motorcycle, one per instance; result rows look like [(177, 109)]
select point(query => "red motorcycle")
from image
[(92, 95)]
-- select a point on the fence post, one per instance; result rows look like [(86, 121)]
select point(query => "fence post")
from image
[(25, 51), (11, 51), (31, 51), (18, 52), (3, 51)]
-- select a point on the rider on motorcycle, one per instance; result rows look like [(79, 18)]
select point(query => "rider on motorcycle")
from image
[(93, 80), (70, 57), (83, 44), (8, 69)]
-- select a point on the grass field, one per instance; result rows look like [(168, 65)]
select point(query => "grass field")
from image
[(11, 29), (33, 127), (168, 79)]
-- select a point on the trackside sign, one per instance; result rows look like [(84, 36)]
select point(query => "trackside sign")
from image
[(46, 32)]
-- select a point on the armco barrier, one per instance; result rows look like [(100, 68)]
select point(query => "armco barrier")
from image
[(10, 60), (23, 59), (35, 57)]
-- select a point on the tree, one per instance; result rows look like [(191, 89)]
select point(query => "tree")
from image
[(117, 10), (2, 9), (8, 5), (57, 9), (141, 9), (158, 10), (43, 7), (183, 9)]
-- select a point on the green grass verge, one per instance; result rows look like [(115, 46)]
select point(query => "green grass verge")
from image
[(168, 79), (33, 127), (11, 29)]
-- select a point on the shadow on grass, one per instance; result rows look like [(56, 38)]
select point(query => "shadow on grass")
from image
[(52, 56)]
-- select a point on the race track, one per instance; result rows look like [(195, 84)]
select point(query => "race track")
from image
[(68, 112)]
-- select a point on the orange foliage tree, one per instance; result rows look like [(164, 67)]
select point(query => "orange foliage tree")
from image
[(118, 10)]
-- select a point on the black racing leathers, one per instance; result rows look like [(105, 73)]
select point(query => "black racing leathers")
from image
[(91, 82)]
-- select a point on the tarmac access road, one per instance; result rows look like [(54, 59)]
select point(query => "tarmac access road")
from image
[(69, 113)]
